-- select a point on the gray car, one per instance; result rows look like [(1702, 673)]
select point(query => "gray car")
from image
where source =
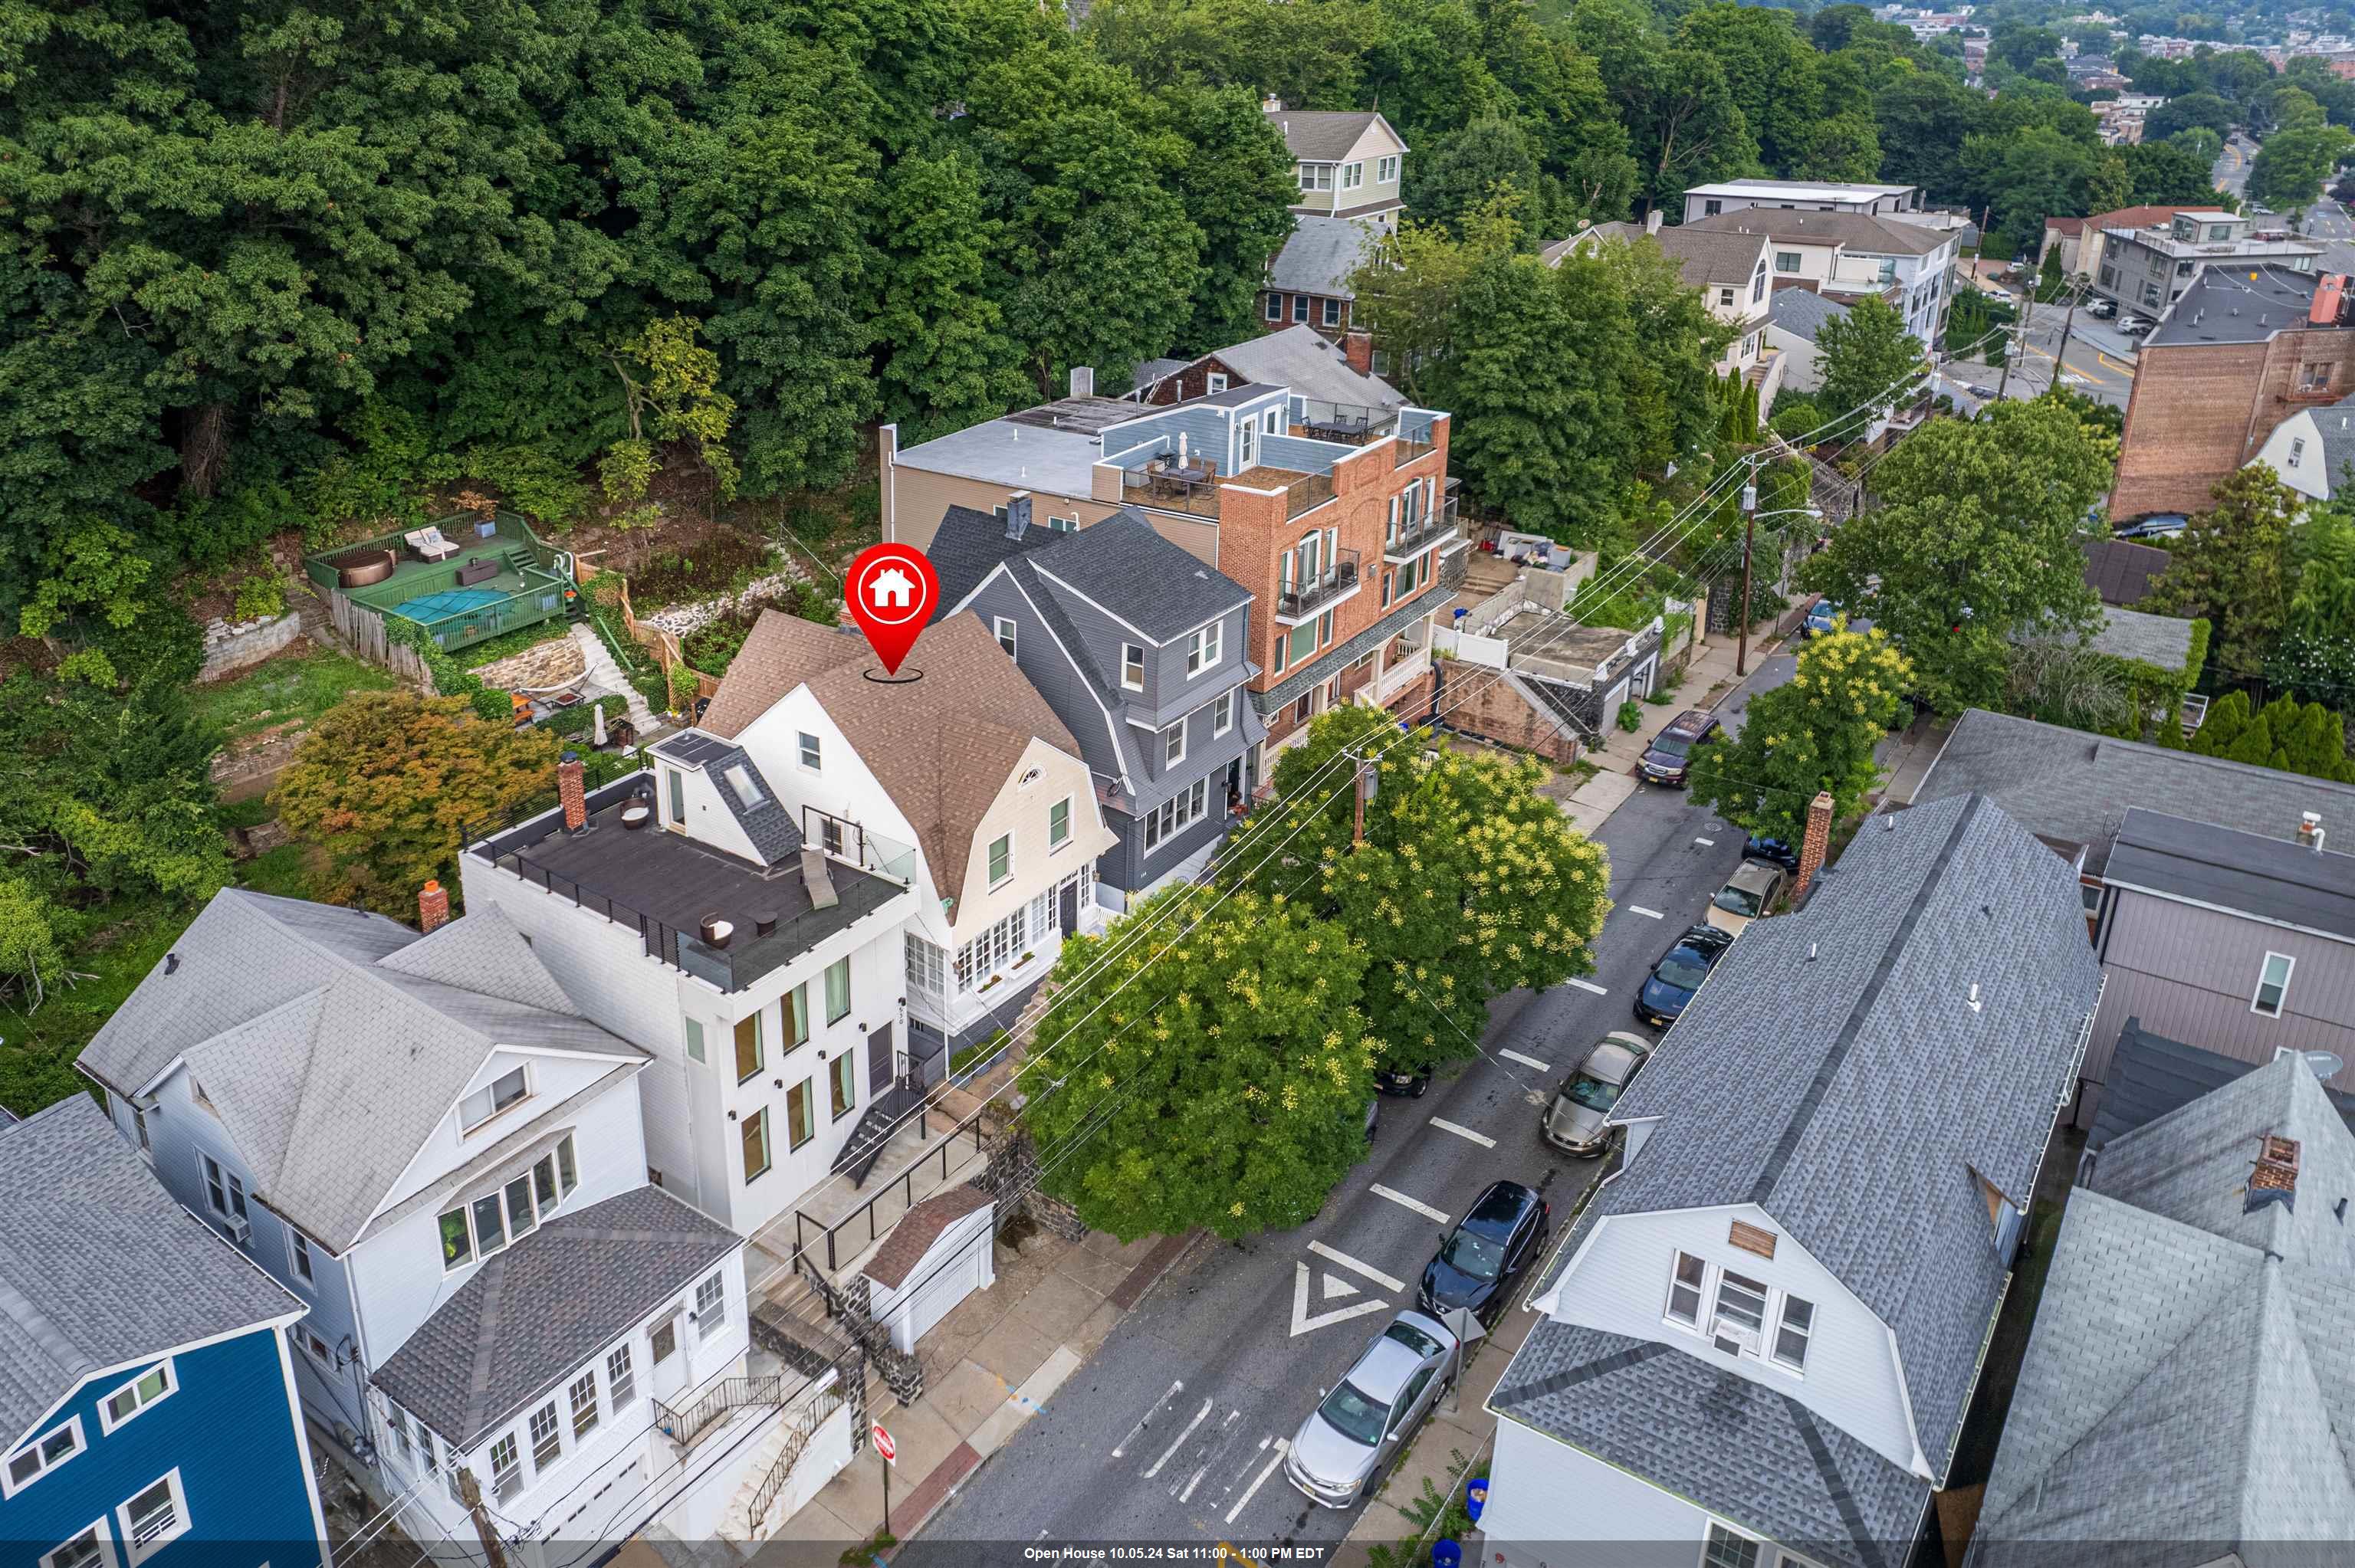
[(1574, 1123), (1371, 1412)]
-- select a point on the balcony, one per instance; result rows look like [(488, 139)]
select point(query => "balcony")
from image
[(1412, 538), (1297, 601), (1417, 435), (1350, 424)]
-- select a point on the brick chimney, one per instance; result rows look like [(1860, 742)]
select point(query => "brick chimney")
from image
[(432, 908), (1358, 349), (573, 791), (1814, 843), (2273, 1178)]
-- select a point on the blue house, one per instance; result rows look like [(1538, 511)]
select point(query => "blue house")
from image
[(147, 1406)]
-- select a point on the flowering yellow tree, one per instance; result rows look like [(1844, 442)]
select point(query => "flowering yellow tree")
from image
[(1814, 734)]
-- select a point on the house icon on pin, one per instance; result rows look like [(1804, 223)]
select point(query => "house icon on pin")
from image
[(890, 588)]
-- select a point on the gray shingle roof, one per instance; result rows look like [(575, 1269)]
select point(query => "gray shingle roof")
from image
[(1308, 363), (535, 1313), (2163, 642), (99, 1267), (1702, 257), (1888, 1095), (1321, 135), (2150, 1076), (1321, 254), (2267, 877), (1857, 230), (2333, 427), (2120, 570), (2193, 1360), (765, 818), (1123, 564), (1803, 312), (967, 547), (286, 1032), (2075, 786)]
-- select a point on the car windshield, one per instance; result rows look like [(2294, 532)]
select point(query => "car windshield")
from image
[(1736, 900), (1413, 1338), (1679, 969), (1592, 1093), (1353, 1415), (1668, 744), (1469, 1253)]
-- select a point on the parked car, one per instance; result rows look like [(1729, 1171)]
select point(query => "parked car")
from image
[(2135, 327), (1822, 616), (1411, 1085), (1679, 974), (1486, 1254), (2101, 309), (1985, 393), (1668, 761), (2162, 527), (1748, 893), (1574, 1122), (1773, 850), (1370, 1415)]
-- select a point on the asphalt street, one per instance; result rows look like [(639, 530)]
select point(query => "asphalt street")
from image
[(2231, 169), (1170, 1434)]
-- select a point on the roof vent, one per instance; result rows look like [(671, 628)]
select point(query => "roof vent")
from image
[(716, 932), (1976, 1003), (2309, 830), (1811, 952)]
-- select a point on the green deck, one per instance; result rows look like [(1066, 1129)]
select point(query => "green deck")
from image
[(527, 589)]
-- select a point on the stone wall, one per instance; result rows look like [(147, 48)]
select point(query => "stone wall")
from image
[(683, 621), (232, 646)]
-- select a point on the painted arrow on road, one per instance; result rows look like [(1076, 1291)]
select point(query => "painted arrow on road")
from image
[(1304, 1323)]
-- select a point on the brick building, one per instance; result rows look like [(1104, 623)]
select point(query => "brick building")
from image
[(2235, 356)]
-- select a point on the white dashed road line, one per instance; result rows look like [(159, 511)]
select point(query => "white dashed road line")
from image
[(1332, 1255), (1403, 1202), (1283, 1446), (1199, 1417), (1646, 914), (1146, 1420), (1465, 1132), (1525, 1061), (1705, 844), (1589, 985)]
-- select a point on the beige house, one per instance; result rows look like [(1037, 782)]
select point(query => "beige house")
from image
[(1348, 162), (1732, 273)]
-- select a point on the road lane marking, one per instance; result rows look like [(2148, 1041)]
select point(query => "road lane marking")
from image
[(1146, 1419), (1187, 1495), (1646, 914), (1335, 1287), (1525, 1061), (1403, 1202), (1484, 1140), (1199, 1417), (1705, 843), (1303, 1322), (1283, 1446), (1589, 985), (1334, 1255)]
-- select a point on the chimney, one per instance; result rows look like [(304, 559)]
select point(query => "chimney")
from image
[(1017, 514), (1358, 349), (573, 791), (1083, 380), (1652, 221), (432, 908), (2273, 1178), (1814, 843)]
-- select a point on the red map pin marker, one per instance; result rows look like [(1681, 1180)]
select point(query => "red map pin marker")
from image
[(892, 591)]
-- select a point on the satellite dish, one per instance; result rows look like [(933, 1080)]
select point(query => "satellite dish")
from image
[(2325, 1065)]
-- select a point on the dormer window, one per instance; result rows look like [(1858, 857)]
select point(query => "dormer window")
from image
[(490, 1100), (1215, 381)]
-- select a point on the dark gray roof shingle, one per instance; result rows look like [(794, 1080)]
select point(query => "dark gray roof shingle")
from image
[(2120, 570), (1803, 312), (1321, 135), (2151, 1075), (535, 1313), (2266, 877), (1321, 254), (1154, 585)]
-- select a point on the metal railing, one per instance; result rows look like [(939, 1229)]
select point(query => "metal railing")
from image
[(1418, 436), (1169, 492), (1353, 424), (687, 1426), (903, 1186), (1299, 601), (806, 1423), (1414, 539), (1306, 494)]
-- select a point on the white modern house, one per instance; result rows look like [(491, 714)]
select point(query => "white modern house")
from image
[(1806, 196), (2311, 449), (1850, 255), (1764, 1330)]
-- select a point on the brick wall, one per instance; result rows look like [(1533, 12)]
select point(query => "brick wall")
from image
[(1480, 701), (2199, 411), (1316, 313), (1194, 381)]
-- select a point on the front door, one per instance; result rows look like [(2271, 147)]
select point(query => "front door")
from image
[(879, 1060), (667, 1353), (1071, 894)]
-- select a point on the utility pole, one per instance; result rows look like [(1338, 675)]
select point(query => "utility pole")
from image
[(2060, 355), (470, 1493), (1362, 792), (2019, 346), (1749, 529)]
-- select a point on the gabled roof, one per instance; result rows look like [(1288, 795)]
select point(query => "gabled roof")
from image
[(1877, 1091), (1321, 254), (2150, 1076), (2192, 1366), (940, 745), (330, 1068), (1121, 564), (2334, 427), (2069, 784), (1857, 230), (1704, 259), (535, 1313), (1303, 360), (99, 1267), (2120, 570), (2162, 641), (1325, 135), (1803, 312)]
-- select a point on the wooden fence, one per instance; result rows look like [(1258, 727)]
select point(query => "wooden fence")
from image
[(362, 629), (669, 651)]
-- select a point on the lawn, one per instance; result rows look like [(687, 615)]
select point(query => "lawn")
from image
[(296, 685), (37, 1049)]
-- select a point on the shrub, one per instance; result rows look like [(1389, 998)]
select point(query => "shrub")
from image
[(1631, 716), (260, 597)]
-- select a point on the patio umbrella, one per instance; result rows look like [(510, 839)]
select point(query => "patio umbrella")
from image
[(601, 725)]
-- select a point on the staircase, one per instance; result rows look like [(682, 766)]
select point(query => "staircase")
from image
[(883, 1116), (774, 1463)]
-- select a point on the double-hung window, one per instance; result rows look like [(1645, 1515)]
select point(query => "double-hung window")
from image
[(837, 990), (1724, 1549), (801, 1114), (1001, 858), (1300, 308), (2273, 985), (86, 1549), (1003, 626), (582, 1396), (1276, 307), (1215, 382), (492, 1098), (1791, 1335), (1685, 1286), (1222, 712), (621, 1378), (711, 1305), (1173, 745), (813, 751), (1202, 648), (547, 1437), (1332, 312), (153, 1519), (1058, 823), (223, 1190), (41, 1455), (1132, 667), (1740, 1317), (1352, 176), (507, 1467), (1386, 170)]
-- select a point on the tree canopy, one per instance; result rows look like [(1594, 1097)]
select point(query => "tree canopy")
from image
[(1814, 734), (2233, 565), (1868, 358)]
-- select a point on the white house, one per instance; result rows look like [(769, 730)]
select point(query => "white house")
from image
[(1764, 1330), (1853, 254), (1810, 195), (1730, 269), (2310, 451)]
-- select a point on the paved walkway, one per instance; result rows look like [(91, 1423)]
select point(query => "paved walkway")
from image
[(605, 678)]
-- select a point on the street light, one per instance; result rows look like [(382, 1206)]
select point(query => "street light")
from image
[(1749, 526)]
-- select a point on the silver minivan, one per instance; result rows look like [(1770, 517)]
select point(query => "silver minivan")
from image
[(1371, 1412)]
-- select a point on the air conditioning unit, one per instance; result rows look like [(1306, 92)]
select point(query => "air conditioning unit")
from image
[(237, 1229), (1734, 1339)]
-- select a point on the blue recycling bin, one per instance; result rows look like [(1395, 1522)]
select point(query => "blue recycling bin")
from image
[(1446, 1553), (1476, 1497)]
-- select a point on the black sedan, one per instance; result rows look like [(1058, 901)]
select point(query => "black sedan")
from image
[(1397, 1081), (1775, 852), (1486, 1254), (1679, 974)]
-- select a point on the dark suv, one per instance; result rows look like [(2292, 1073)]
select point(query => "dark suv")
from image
[(1669, 757)]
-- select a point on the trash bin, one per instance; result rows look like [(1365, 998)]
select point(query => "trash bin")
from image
[(1476, 1497), (1446, 1553)]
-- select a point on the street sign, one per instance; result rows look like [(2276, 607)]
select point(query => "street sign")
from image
[(884, 1445), (1465, 1324)]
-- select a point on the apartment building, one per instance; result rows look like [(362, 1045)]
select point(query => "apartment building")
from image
[(1805, 195), (1849, 255), (2148, 267)]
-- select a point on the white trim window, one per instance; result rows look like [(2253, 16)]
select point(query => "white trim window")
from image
[(1002, 627), (813, 750), (1688, 1285), (1222, 713), (1214, 381), (1058, 823), (223, 1190), (1723, 1548), (42, 1455), (298, 1255), (1272, 421), (547, 1437), (1738, 1322), (508, 1088), (928, 965), (487, 1223), (994, 949), (711, 1307), (1177, 812), (1317, 176), (1173, 745), (132, 1399), (1793, 1328), (1276, 307), (91, 1548), (1246, 443), (1332, 312), (507, 1467), (1132, 667), (157, 1516), (1203, 648), (1001, 860), (582, 1396), (1386, 170), (620, 1378), (1353, 175), (2273, 985)]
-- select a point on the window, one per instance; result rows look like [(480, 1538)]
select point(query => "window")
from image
[(801, 1115), (1758, 281), (1247, 444), (755, 1135), (1180, 811), (298, 1253), (153, 1386), (1317, 176), (795, 1003), (1332, 312), (490, 1232), (620, 1378), (1710, 208), (521, 1215), (153, 1519), (837, 990), (678, 796), (398, 1424), (1058, 823), (1003, 629), (1791, 1337), (1001, 858), (318, 1348), (2297, 451), (2273, 985), (1202, 648), (1173, 745), (1724, 1549), (830, 837), (547, 1437), (694, 1040), (1274, 420), (449, 1477), (1215, 381), (711, 1305), (1324, 628), (457, 1247), (1386, 170), (664, 1341), (1740, 1312), (842, 1076), (225, 1192), (1300, 307), (2313, 378), (86, 1549), (582, 1396), (506, 1470), (1276, 307), (992, 949), (139, 1120), (568, 1170), (1685, 1288), (927, 965), (1132, 667), (1352, 176), (1786, 260), (42, 1455), (1222, 713), (1725, 297), (748, 1047), (813, 753), (489, 1101)]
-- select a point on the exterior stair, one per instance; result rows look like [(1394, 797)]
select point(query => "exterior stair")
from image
[(748, 1516)]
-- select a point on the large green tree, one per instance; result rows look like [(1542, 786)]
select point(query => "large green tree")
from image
[(2233, 565), (1813, 734), (2291, 166), (1868, 359)]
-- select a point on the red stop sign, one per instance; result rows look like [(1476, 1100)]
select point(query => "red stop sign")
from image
[(884, 1445)]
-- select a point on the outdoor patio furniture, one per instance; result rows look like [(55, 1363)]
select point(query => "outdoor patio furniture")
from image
[(476, 570), (430, 544)]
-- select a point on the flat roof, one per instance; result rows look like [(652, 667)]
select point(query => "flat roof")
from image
[(1806, 190), (2270, 878), (2238, 305)]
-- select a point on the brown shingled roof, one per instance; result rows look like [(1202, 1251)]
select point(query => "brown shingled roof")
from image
[(942, 747), (1702, 257), (921, 1226)]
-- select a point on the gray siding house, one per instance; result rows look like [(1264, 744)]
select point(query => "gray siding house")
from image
[(1139, 649)]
